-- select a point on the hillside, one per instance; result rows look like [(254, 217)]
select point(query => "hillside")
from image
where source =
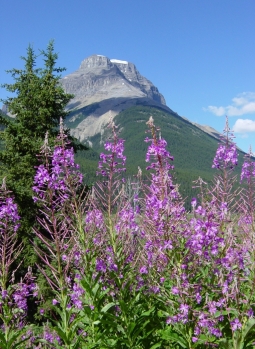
[(193, 149)]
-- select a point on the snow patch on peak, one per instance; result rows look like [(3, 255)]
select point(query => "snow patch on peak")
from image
[(100, 56), (118, 61)]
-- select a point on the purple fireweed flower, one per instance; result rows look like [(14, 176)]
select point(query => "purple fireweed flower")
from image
[(76, 296), (184, 309), (8, 214), (248, 168), (112, 266), (226, 154), (55, 301), (225, 287), (51, 337), (20, 297), (95, 220), (163, 206), (245, 220), (4, 294), (58, 174), (175, 290), (197, 331), (212, 306), (224, 210), (250, 312), (114, 161), (193, 202), (77, 256), (168, 320), (203, 236), (198, 298), (144, 270), (172, 319), (101, 266), (201, 211), (154, 289), (215, 331), (126, 223), (235, 325), (42, 176), (77, 276)]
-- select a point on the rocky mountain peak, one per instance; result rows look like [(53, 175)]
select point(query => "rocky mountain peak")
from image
[(100, 78), (106, 87), (95, 61)]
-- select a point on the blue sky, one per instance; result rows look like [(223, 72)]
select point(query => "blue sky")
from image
[(199, 53)]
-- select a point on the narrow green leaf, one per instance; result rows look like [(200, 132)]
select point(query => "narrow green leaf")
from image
[(107, 307)]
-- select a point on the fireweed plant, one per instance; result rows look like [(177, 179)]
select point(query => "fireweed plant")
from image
[(56, 186), (134, 269), (118, 258), (14, 330), (208, 289)]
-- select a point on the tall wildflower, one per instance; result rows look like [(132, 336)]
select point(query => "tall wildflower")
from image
[(56, 186), (117, 242), (53, 184), (225, 160), (163, 206), (109, 193), (120, 223), (13, 295), (110, 167)]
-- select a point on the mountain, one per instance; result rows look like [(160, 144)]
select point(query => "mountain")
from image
[(102, 88), (99, 78)]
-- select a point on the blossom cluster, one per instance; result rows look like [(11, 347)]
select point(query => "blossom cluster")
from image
[(248, 170), (62, 169), (227, 155), (8, 214), (114, 160)]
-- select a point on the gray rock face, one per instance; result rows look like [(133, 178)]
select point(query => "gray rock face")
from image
[(4, 109), (99, 78), (110, 86)]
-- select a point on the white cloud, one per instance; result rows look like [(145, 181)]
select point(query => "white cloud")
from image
[(242, 104), (244, 126)]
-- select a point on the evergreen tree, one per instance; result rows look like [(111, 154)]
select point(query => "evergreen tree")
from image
[(37, 106)]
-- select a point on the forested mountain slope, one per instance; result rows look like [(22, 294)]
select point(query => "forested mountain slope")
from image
[(193, 149)]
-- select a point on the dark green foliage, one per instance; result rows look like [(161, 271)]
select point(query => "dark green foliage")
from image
[(88, 161), (38, 103)]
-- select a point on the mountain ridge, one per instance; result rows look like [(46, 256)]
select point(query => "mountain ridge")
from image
[(102, 88), (102, 78)]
